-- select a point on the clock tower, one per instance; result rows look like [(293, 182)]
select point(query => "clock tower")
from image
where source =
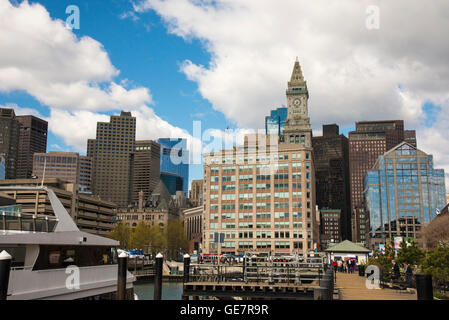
[(297, 126)]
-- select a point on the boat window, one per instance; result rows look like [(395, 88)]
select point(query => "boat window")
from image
[(55, 257), (18, 255)]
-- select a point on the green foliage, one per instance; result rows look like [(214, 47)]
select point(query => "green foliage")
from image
[(436, 263), (121, 233), (410, 253), (176, 238), (140, 237), (157, 241)]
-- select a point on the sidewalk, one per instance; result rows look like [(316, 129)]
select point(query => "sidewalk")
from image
[(352, 287)]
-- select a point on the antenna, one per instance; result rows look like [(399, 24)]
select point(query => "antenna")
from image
[(43, 176)]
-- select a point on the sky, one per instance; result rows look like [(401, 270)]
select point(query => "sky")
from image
[(178, 64)]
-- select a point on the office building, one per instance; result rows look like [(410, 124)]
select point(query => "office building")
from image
[(275, 122), (89, 213), (173, 182), (403, 192), (85, 176), (32, 139), (196, 193), (331, 156), (261, 194), (193, 227), (145, 168), (9, 141), (330, 227), (57, 165), (111, 154), (175, 160), (370, 140)]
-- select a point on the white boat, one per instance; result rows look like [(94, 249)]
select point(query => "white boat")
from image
[(54, 260)]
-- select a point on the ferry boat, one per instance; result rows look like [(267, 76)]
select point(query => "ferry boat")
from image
[(53, 259)]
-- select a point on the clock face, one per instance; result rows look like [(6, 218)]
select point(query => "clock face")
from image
[(297, 102)]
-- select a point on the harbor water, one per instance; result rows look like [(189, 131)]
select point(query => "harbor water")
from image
[(170, 290)]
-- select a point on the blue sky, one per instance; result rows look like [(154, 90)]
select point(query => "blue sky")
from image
[(227, 64)]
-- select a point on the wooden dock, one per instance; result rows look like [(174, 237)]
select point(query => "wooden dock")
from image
[(353, 287), (249, 290)]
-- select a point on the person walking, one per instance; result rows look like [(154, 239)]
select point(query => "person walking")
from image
[(395, 270), (408, 274)]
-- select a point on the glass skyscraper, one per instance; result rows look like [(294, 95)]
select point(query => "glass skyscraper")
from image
[(175, 160), (275, 122), (402, 193)]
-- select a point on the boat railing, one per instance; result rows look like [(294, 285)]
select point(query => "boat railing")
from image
[(17, 221)]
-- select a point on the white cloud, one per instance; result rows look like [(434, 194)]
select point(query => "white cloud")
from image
[(72, 76), (352, 73)]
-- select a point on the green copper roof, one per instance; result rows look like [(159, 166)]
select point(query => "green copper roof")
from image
[(347, 246)]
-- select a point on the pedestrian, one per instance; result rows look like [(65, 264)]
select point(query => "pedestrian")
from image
[(334, 265), (395, 270), (408, 274)]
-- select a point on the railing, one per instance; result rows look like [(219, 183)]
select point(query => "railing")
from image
[(259, 272)]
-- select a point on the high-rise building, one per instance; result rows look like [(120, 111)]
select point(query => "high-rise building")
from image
[(146, 168), (331, 156), (175, 159), (32, 139), (57, 165), (261, 195), (370, 140), (111, 154), (275, 122), (410, 137), (403, 192), (330, 227), (173, 182), (297, 126), (85, 178), (196, 193), (9, 141)]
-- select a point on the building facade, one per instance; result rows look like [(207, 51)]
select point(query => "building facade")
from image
[(330, 227), (9, 141), (85, 176), (89, 213), (32, 139), (196, 193), (370, 140), (111, 154), (58, 165), (175, 160), (193, 227), (275, 122), (403, 192), (261, 195), (331, 155), (145, 168)]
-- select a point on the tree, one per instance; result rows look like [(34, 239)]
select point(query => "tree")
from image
[(436, 263), (410, 253), (437, 231), (122, 234), (157, 240), (176, 238), (140, 237)]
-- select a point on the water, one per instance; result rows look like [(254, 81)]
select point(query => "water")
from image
[(170, 291)]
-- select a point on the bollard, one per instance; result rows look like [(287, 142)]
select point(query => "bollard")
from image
[(158, 277), (121, 277), (319, 293), (186, 268), (244, 269), (5, 267), (424, 288)]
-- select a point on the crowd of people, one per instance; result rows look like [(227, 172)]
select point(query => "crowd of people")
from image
[(347, 265)]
